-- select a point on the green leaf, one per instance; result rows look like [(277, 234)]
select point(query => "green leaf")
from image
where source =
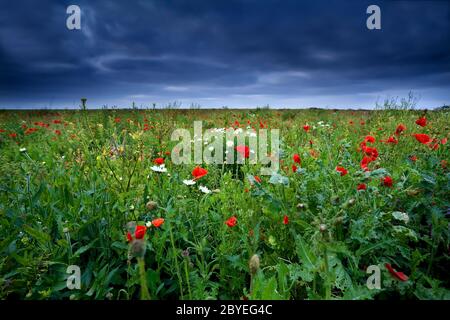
[(40, 236), (84, 248), (304, 253)]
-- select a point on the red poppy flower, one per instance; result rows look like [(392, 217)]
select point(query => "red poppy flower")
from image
[(13, 135), (30, 131), (371, 152), (369, 139), (244, 151), (257, 179), (199, 172), (294, 168), (117, 120), (231, 222), (413, 158), (397, 274), (435, 146), (158, 222), (139, 233), (342, 170), (285, 219), (296, 158), (443, 140), (306, 128), (422, 138), (58, 132), (387, 181), (56, 121), (159, 161), (129, 237), (392, 140), (400, 129), (365, 162), (421, 121), (361, 186)]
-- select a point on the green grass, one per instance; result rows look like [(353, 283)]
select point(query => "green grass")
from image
[(67, 199)]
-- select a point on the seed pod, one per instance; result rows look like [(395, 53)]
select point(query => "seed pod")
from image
[(151, 205), (137, 248), (254, 264)]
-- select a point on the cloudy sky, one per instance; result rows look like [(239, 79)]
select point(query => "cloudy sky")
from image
[(215, 53)]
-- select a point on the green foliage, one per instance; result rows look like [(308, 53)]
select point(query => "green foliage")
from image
[(65, 199)]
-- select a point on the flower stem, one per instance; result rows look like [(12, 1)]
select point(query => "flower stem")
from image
[(142, 276)]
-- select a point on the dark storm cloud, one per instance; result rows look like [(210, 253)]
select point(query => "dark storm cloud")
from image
[(214, 53)]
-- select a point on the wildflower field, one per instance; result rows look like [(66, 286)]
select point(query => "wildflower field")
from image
[(358, 194)]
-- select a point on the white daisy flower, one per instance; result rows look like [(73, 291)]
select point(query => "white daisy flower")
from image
[(161, 168), (23, 149), (204, 189), (189, 182), (148, 224)]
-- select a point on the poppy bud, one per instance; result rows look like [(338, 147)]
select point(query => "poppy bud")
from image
[(339, 220), (131, 226), (413, 192), (185, 253), (151, 205), (254, 264), (335, 200)]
